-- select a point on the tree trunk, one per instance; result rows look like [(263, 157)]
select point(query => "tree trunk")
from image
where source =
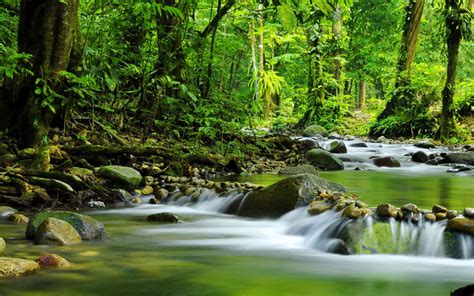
[(402, 95), (453, 26), (336, 53), (48, 30), (207, 87), (362, 95), (253, 45)]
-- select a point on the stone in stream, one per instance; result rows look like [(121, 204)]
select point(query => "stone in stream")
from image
[(318, 206), (464, 291), (337, 147), (285, 195), (121, 174), (459, 168), (53, 231), (309, 143), (387, 161), (420, 157), (439, 209), (5, 212), (359, 145), (3, 245), (452, 214), (300, 169), (387, 211), (164, 217), (424, 145), (14, 267), (18, 219), (461, 158), (430, 217), (315, 130), (469, 212), (87, 227), (461, 224), (324, 160), (52, 261)]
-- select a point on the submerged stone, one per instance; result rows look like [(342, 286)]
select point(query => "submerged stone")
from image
[(13, 267), (87, 227), (285, 195), (324, 160), (121, 174), (52, 261)]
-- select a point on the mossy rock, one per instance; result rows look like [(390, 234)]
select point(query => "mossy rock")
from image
[(315, 130), (324, 160), (87, 227), (5, 212), (121, 174), (53, 231), (14, 267), (285, 195)]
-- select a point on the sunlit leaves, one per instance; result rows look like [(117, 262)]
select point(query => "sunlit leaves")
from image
[(287, 17)]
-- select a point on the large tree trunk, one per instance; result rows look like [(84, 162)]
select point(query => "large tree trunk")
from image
[(401, 95), (362, 94), (48, 30), (448, 126)]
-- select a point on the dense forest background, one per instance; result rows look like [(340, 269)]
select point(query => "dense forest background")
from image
[(203, 70)]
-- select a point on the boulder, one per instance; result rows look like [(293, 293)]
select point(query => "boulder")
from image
[(18, 219), (53, 231), (164, 217), (387, 161), (461, 157), (315, 130), (324, 160), (300, 169), (3, 245), (285, 195), (464, 291), (337, 147), (13, 267), (5, 212), (387, 210), (461, 224), (87, 227), (420, 157), (424, 145), (122, 175), (309, 143), (52, 261)]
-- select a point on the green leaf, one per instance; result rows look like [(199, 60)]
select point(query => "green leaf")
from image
[(287, 17)]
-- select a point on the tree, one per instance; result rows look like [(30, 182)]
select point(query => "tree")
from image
[(49, 32), (457, 22)]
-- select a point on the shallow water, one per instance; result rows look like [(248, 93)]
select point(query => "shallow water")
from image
[(216, 254)]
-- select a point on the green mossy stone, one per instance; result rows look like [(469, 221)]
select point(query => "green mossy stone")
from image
[(87, 227), (315, 130), (14, 267), (324, 160), (53, 231), (122, 175)]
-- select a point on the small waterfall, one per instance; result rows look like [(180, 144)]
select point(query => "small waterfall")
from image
[(208, 200), (467, 246)]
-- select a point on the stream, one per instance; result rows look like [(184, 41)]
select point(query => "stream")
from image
[(216, 254)]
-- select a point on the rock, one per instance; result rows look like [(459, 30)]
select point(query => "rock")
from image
[(352, 212), (81, 172), (149, 180), (7, 159), (420, 157), (440, 216), (314, 130), (18, 219), (13, 267), (87, 227), (435, 161), (409, 208), (461, 224), (318, 206), (424, 145), (3, 245), (469, 212), (359, 145), (430, 217), (136, 200), (160, 193), (452, 214), (300, 169), (52, 183), (439, 209), (387, 161), (5, 212), (164, 217), (464, 291), (335, 135), (461, 157), (323, 160), (123, 195), (309, 143), (53, 231), (147, 190), (154, 201), (337, 147), (120, 174), (285, 195), (459, 168), (52, 261)]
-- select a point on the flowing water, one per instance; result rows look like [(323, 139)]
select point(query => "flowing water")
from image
[(216, 254)]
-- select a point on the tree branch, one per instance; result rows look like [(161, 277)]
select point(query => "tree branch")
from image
[(215, 21)]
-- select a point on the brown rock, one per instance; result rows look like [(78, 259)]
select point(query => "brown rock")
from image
[(461, 224), (52, 261)]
